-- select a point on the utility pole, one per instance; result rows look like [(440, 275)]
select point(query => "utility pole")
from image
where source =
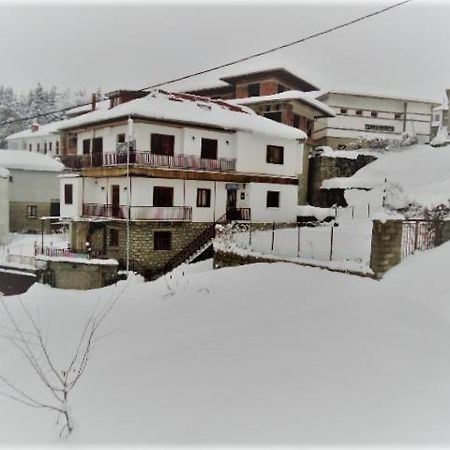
[(129, 143)]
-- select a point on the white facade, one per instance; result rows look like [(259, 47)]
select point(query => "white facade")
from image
[(42, 139), (98, 191), (4, 206), (362, 116)]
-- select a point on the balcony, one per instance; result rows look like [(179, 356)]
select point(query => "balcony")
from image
[(243, 214), (155, 213), (147, 159)]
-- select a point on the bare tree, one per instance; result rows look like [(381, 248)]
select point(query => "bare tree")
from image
[(58, 381)]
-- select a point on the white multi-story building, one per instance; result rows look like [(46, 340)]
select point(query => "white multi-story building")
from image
[(4, 206), (193, 162), (366, 116), (45, 139)]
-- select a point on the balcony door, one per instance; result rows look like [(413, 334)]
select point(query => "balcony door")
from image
[(115, 200), (97, 152)]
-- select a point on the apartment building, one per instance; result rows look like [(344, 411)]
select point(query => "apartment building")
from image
[(366, 116), (169, 166)]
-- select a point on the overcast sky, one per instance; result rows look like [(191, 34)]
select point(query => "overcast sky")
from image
[(404, 51)]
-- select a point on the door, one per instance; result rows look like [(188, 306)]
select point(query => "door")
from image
[(115, 200), (231, 204), (97, 152)]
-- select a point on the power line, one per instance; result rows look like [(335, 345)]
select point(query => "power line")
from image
[(279, 47), (231, 63)]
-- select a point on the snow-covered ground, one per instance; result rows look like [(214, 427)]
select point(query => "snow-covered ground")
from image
[(22, 245), (264, 354), (350, 245), (418, 174)]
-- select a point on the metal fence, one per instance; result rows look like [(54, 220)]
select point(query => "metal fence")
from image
[(310, 241), (417, 235)]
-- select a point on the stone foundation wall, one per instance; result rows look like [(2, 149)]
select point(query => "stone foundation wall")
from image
[(323, 168), (143, 256)]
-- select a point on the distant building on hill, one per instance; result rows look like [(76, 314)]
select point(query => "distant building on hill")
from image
[(369, 116)]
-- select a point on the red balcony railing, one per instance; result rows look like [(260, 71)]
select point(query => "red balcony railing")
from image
[(149, 160), (157, 213)]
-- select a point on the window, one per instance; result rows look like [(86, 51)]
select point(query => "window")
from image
[(31, 211), (38, 147), (162, 144), (162, 240), (121, 138), (373, 114), (203, 198), (343, 110), (162, 196), (275, 154), (113, 237), (397, 116), (57, 147), (45, 147), (50, 147), (68, 194), (296, 121), (358, 112), (253, 90), (372, 127), (11, 179), (30, 147), (276, 116), (281, 88), (209, 149), (273, 199), (86, 146), (72, 143)]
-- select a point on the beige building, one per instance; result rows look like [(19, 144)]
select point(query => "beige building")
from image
[(369, 116), (33, 187)]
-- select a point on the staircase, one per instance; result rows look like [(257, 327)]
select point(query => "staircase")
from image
[(198, 245), (188, 253)]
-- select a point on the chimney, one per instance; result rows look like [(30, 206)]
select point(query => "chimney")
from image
[(94, 101), (34, 127)]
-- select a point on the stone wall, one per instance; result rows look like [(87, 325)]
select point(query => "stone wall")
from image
[(230, 259), (386, 246), (78, 274), (19, 222), (143, 256), (323, 168)]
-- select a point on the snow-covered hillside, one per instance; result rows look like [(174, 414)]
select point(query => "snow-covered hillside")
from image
[(262, 354), (419, 174)]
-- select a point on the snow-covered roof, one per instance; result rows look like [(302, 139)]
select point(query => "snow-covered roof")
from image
[(82, 109), (190, 109), (308, 98), (381, 94), (23, 160), (4, 173), (43, 130)]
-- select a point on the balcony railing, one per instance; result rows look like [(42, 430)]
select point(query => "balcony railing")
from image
[(157, 213), (238, 214), (149, 159)]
